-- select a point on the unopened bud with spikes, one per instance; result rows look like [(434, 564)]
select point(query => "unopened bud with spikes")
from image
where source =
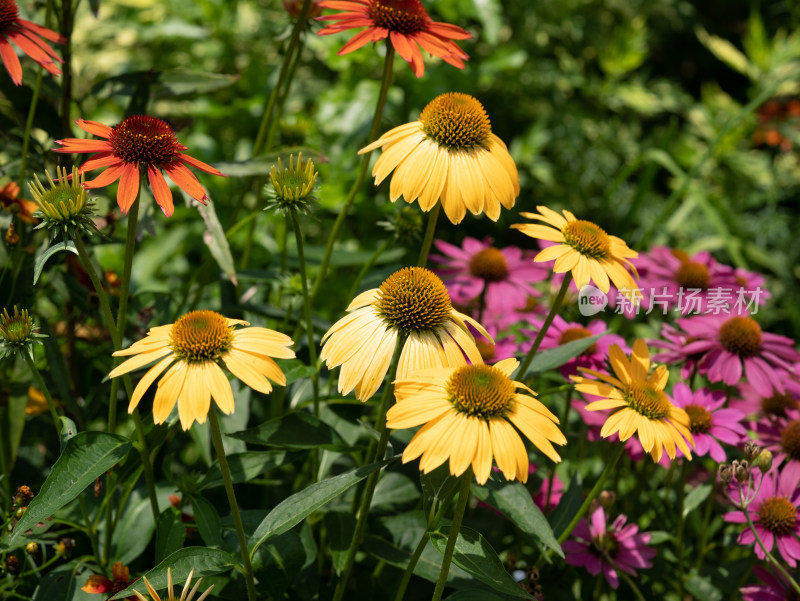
[(292, 186), (725, 473), (63, 207), (751, 451)]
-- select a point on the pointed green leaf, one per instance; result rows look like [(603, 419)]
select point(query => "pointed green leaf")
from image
[(170, 533), (568, 506), (297, 430), (214, 238), (245, 466), (340, 527), (42, 259), (208, 521), (556, 357)]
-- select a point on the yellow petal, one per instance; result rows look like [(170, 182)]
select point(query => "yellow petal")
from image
[(147, 380), (219, 387)]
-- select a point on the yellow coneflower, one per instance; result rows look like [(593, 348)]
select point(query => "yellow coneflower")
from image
[(583, 248), (643, 408), (192, 349), (451, 154), (412, 302), (469, 415), (186, 594)]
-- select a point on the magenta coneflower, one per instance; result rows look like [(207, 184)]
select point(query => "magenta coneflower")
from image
[(709, 422), (774, 588), (781, 436), (674, 341), (547, 498), (733, 346), (25, 35), (774, 513), (599, 548), (502, 273), (757, 406)]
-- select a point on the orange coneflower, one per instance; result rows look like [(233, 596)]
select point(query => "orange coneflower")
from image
[(405, 22), (25, 35), (138, 142)]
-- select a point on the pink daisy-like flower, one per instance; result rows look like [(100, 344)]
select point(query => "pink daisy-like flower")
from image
[(546, 498), (674, 341), (774, 513), (599, 548), (758, 407), (781, 436), (405, 22), (709, 422), (25, 34), (750, 281), (735, 346), (477, 267), (774, 588)]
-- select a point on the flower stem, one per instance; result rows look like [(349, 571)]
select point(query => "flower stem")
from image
[(216, 436), (545, 326), (386, 82), (706, 521), (564, 422), (433, 218), (681, 524), (458, 516), (372, 481), (312, 349), (40, 382), (108, 316), (629, 581)]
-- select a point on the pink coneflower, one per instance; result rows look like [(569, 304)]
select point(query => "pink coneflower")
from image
[(733, 346), (782, 437), (709, 422), (598, 548), (561, 332), (25, 35), (502, 273), (774, 513), (546, 498), (751, 282), (774, 588), (674, 342), (757, 406), (405, 22)]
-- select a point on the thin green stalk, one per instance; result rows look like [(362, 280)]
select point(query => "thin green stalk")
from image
[(681, 523), (545, 326), (564, 424), (40, 383), (67, 22), (706, 522), (312, 348), (147, 463), (284, 94), (105, 308), (629, 581), (386, 82), (458, 516), (372, 481), (367, 266), (433, 218), (216, 436)]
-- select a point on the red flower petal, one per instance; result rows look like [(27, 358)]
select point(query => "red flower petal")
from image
[(107, 177), (402, 44), (128, 187), (41, 44), (105, 159), (42, 31), (362, 38), (161, 191), (180, 174), (10, 61), (94, 128), (33, 51), (185, 158), (79, 145), (97, 584)]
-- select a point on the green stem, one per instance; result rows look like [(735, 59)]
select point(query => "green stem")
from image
[(372, 481), (706, 521), (40, 382), (545, 326), (629, 581), (386, 82), (312, 348), (458, 516), (67, 21), (147, 463), (216, 436), (108, 316), (681, 523), (564, 422), (433, 218), (367, 266)]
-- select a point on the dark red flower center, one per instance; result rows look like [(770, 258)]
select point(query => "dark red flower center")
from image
[(699, 418), (692, 274), (489, 264), (777, 515), (8, 13), (145, 140), (402, 16), (790, 439), (741, 336), (577, 333), (777, 404)]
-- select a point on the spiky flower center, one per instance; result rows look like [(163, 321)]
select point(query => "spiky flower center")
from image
[(489, 264), (605, 545), (741, 336), (699, 418), (456, 121), (647, 400), (790, 439), (8, 13), (587, 238), (293, 183), (16, 329), (145, 140), (681, 255), (414, 299), (577, 333), (403, 16), (777, 404), (480, 391), (201, 336), (778, 515), (692, 274), (64, 202), (486, 349)]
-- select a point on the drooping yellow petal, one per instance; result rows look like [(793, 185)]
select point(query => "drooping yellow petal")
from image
[(219, 387), (147, 380)]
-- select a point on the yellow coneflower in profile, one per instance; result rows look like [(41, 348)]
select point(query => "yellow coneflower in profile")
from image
[(451, 154), (583, 248), (643, 406), (469, 415), (186, 594), (412, 302), (192, 348)]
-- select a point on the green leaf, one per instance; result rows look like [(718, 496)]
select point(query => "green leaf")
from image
[(216, 242), (294, 369), (202, 560), (180, 83), (437, 486), (42, 259), (340, 527), (702, 588), (695, 498), (556, 357), (727, 53), (208, 521), (64, 583), (170, 533), (294, 509), (475, 555), (86, 456), (394, 489), (68, 430), (568, 506), (515, 502), (297, 430), (135, 530), (245, 466)]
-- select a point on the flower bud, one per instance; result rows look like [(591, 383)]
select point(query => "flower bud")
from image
[(31, 548), (12, 238), (764, 461), (741, 470), (725, 473), (751, 451), (292, 186)]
